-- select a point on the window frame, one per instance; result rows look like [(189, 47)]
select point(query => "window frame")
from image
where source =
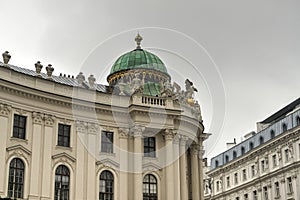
[(150, 150), (17, 181), (289, 182), (19, 127), (148, 195), (60, 189), (107, 142), (277, 189), (107, 178), (65, 134)]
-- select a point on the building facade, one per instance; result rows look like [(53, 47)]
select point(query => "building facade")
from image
[(139, 137), (266, 165)]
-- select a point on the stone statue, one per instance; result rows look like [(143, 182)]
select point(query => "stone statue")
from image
[(49, 70), (136, 83), (121, 85), (166, 90), (189, 93), (38, 67), (80, 78), (92, 81), (6, 57)]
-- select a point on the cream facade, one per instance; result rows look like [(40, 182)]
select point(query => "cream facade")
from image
[(266, 165), (69, 138)]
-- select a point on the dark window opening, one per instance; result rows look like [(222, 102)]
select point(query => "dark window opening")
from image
[(64, 135), (62, 183), (149, 147), (16, 178), (19, 129), (106, 191)]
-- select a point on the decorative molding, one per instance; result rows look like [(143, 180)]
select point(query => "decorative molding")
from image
[(49, 120), (137, 131), (37, 117), (124, 133), (169, 134), (18, 151), (5, 109), (108, 163), (64, 158)]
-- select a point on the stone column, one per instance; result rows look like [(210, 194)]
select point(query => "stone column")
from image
[(169, 180), (123, 135), (176, 168), (137, 132), (200, 163), (183, 168), (47, 160), (195, 172), (5, 133), (37, 144)]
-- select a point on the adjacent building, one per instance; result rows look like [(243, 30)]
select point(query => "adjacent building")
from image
[(66, 137), (266, 165)]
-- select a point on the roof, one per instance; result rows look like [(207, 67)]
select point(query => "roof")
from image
[(58, 79), (138, 59), (282, 112)]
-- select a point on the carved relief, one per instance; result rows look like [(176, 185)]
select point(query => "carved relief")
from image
[(124, 132), (92, 128), (169, 134), (38, 118), (49, 120), (137, 131), (81, 126), (5, 109)]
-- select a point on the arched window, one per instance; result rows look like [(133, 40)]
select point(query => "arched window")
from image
[(62, 183), (16, 178), (149, 187), (226, 158), (234, 154), (272, 134), (261, 140), (106, 191), (243, 150), (284, 127), (298, 120), (251, 145)]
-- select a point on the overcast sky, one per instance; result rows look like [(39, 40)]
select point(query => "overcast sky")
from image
[(254, 46)]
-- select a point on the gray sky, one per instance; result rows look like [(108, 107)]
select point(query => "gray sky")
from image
[(255, 45)]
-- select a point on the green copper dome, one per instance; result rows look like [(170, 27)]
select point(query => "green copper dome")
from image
[(138, 59)]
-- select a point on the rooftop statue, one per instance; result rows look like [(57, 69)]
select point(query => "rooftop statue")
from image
[(136, 83), (189, 93)]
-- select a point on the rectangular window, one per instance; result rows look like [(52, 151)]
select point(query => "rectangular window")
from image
[(246, 197), (63, 135), (274, 158), (262, 165), (228, 181), (107, 141), (289, 185), (253, 171), (265, 190), (277, 189), (286, 153), (254, 195), (149, 147), (217, 186), (244, 175), (236, 178), (19, 129)]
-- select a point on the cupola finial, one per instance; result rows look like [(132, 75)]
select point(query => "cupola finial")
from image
[(138, 40)]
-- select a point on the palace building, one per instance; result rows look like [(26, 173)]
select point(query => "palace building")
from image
[(64, 137), (265, 166)]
